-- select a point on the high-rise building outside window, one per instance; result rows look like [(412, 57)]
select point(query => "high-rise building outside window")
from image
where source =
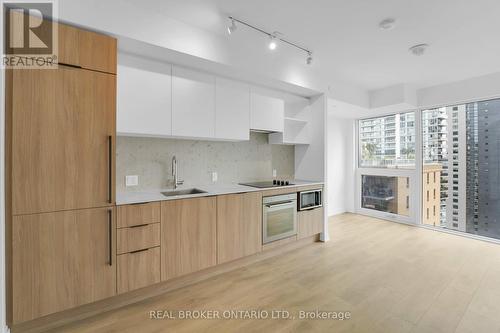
[(387, 142), (462, 143)]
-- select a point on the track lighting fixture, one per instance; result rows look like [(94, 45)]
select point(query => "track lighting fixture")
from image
[(273, 42), (232, 28), (274, 37), (309, 58)]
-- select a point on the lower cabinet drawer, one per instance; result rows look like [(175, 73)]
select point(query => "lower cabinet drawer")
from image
[(310, 222), (138, 269), (138, 238)]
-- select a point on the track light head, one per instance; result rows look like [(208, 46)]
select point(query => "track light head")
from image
[(309, 58), (273, 42), (232, 28)]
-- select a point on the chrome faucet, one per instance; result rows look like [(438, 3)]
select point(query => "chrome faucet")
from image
[(174, 173)]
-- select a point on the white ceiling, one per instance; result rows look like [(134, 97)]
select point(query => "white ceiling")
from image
[(347, 44)]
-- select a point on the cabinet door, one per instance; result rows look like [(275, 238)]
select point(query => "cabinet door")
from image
[(144, 98), (239, 225), (86, 49), (310, 222), (193, 103), (97, 51), (138, 214), (188, 236), (62, 260), (78, 47), (63, 128), (138, 269), (266, 113), (232, 110)]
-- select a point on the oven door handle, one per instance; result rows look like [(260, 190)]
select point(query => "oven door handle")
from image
[(286, 203)]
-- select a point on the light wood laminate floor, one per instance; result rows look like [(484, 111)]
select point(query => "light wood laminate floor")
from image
[(391, 277)]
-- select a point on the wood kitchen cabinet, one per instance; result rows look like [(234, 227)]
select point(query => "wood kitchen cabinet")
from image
[(232, 110), (138, 246), (310, 222), (138, 214), (188, 236), (239, 225), (81, 48), (61, 260), (61, 128), (60, 179), (193, 103), (86, 49), (138, 269)]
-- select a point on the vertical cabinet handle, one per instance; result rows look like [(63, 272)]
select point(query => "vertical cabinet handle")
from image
[(110, 169), (110, 237)]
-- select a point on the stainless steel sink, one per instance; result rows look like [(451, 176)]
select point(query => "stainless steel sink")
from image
[(183, 192)]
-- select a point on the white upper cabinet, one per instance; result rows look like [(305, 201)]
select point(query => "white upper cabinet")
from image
[(232, 110), (266, 113), (144, 97), (193, 103), (296, 129)]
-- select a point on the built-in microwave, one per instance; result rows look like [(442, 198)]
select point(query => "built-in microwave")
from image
[(310, 199)]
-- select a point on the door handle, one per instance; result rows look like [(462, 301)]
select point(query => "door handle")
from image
[(110, 237), (287, 203), (138, 251), (110, 169)]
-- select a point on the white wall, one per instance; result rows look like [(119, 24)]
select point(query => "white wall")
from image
[(140, 22), (479, 88), (310, 160), (340, 165)]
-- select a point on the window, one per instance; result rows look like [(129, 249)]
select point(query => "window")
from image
[(386, 194), (461, 148), (387, 142)]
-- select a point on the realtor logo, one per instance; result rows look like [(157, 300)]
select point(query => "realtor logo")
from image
[(30, 39)]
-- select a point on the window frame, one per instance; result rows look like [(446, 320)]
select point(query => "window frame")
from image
[(414, 175), (418, 168)]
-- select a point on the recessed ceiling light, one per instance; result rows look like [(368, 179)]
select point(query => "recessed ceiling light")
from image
[(418, 49), (387, 24)]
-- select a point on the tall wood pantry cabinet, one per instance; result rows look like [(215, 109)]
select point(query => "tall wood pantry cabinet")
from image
[(60, 145)]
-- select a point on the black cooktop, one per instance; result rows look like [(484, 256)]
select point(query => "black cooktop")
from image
[(267, 184)]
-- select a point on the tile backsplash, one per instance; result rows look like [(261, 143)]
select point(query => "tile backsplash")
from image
[(151, 160)]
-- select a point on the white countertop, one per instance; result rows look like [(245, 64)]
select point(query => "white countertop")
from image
[(125, 198)]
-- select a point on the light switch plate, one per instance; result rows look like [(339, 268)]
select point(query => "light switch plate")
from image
[(274, 173), (214, 176), (131, 180)]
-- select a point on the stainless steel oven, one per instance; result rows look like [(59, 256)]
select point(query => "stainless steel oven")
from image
[(279, 217), (310, 199)]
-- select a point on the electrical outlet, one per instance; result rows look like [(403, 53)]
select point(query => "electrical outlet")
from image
[(214, 176), (131, 180), (274, 173)]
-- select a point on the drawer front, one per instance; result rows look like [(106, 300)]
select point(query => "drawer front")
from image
[(310, 222), (137, 214), (138, 269), (138, 238)]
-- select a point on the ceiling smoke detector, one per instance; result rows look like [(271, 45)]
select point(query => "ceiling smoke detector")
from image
[(387, 24), (419, 49)]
